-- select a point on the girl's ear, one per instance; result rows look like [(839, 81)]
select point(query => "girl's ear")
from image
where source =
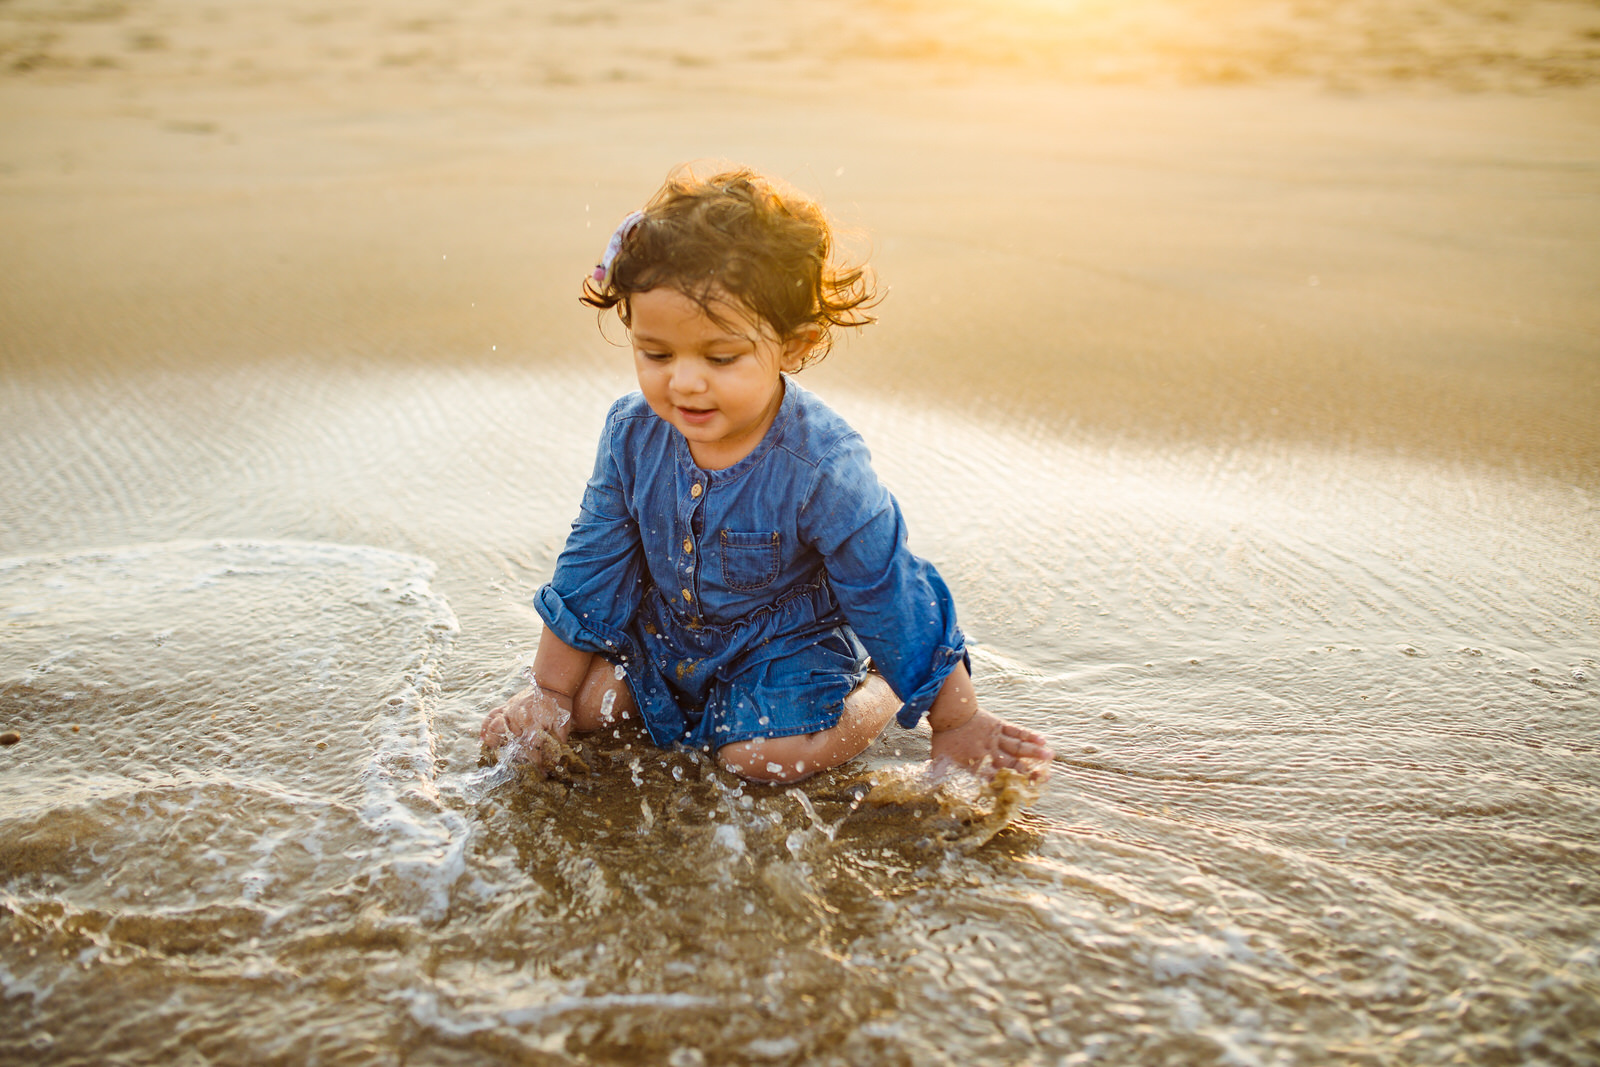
[(799, 345)]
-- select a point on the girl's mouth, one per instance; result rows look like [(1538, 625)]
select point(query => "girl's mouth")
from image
[(696, 415)]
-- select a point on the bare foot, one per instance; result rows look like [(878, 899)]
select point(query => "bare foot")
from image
[(533, 721), (985, 743)]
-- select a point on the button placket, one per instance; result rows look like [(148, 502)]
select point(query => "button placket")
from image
[(697, 490)]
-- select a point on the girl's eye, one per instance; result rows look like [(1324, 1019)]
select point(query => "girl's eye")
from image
[(654, 357), (721, 361)]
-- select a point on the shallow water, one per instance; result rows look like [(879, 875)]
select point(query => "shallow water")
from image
[(1326, 788)]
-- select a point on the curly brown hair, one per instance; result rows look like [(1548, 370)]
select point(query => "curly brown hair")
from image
[(742, 235)]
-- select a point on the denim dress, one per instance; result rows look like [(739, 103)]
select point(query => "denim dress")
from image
[(748, 602)]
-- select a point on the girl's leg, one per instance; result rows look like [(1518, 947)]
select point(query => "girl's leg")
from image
[(603, 700), (867, 710)]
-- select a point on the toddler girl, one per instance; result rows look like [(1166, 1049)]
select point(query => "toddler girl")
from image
[(737, 577)]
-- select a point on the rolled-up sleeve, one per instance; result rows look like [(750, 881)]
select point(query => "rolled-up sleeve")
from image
[(600, 574), (894, 600)]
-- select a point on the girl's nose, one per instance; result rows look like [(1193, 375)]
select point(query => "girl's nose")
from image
[(687, 376)]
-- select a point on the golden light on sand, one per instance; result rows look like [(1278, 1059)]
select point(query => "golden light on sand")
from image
[(1343, 44)]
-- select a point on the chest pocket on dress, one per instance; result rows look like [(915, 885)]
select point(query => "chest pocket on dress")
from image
[(749, 560)]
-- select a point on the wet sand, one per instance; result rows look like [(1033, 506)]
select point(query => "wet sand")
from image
[(1239, 369), (1362, 254)]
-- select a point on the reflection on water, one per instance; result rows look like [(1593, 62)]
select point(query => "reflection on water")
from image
[(1326, 790)]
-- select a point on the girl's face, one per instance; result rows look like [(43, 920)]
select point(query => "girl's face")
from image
[(719, 385)]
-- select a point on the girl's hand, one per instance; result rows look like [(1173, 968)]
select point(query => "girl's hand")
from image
[(528, 717), (984, 743)]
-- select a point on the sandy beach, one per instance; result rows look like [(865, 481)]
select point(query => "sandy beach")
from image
[(1364, 225), (1239, 369)]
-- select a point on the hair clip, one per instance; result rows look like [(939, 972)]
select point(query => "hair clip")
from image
[(602, 270)]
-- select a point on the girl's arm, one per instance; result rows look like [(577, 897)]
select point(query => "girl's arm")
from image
[(903, 613), (594, 591), (559, 669), (894, 600), (600, 575)]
